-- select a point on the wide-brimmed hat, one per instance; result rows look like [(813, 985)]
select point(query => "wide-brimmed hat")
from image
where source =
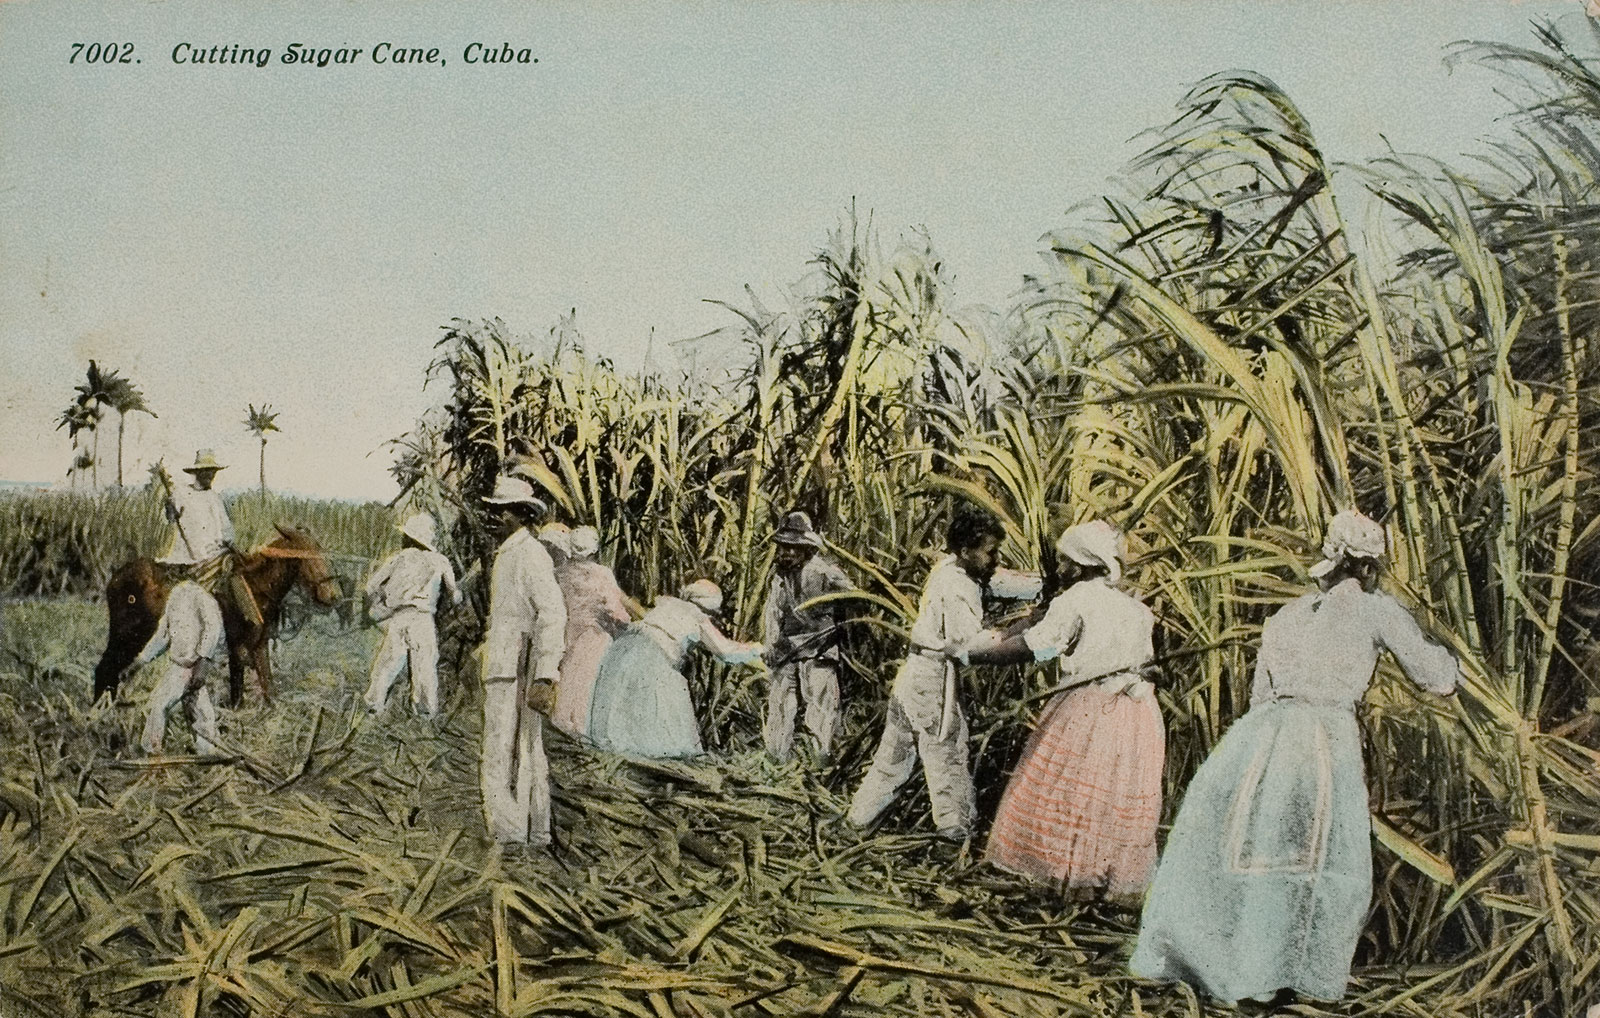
[(1351, 535), (796, 529), (510, 490), (583, 542), (421, 529), (1094, 543), (205, 459), (702, 594)]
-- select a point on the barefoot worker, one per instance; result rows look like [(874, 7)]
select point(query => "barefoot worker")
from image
[(1267, 875), (1081, 808), (402, 596), (190, 632), (521, 658), (924, 717), (802, 646)]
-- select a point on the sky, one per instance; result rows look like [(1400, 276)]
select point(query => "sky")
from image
[(227, 234)]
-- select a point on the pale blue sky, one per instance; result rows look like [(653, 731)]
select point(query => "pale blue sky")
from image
[(296, 235)]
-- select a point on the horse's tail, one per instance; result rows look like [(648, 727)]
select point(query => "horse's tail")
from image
[(135, 597)]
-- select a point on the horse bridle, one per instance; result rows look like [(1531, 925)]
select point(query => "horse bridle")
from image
[(303, 554)]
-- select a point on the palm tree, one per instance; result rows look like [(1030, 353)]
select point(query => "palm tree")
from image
[(125, 398), (94, 392), (78, 416), (259, 422)]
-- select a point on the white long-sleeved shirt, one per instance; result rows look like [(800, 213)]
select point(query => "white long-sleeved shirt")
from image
[(1098, 631), (676, 625), (951, 609), (527, 617), (411, 578), (203, 529), (1323, 648), (190, 628)]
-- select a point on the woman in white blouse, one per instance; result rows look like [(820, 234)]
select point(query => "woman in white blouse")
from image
[(1267, 876), (1081, 808), (641, 703)]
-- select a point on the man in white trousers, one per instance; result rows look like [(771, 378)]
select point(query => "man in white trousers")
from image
[(924, 716), (190, 632), (402, 596), (521, 660)]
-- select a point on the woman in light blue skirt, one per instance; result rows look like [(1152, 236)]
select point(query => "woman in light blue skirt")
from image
[(641, 704), (1267, 875)]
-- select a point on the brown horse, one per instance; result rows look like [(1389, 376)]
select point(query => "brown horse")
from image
[(137, 594)]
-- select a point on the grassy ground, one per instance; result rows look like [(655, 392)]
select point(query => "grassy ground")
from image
[(339, 868)]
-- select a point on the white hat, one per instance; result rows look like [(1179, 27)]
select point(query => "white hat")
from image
[(204, 459), (703, 594), (513, 491), (421, 529), (583, 542), (1350, 535), (1094, 543)]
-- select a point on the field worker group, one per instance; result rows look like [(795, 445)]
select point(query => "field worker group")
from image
[(1271, 837)]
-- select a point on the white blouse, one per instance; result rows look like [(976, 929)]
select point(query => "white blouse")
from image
[(1323, 648)]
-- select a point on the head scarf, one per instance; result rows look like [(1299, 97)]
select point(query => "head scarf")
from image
[(556, 537), (1350, 535), (1094, 543), (703, 594), (583, 542)]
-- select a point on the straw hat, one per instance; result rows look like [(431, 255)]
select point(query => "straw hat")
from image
[(583, 542), (796, 529), (513, 491), (421, 529), (1351, 535), (1094, 543), (703, 594), (204, 459)]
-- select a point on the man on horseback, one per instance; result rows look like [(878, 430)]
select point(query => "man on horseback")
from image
[(201, 542)]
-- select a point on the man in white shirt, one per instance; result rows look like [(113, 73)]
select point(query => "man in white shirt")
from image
[(202, 535), (924, 717), (190, 632), (403, 595), (521, 661)]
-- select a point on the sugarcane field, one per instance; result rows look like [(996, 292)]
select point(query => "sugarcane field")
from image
[(739, 510)]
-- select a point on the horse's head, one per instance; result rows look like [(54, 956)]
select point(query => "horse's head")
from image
[(311, 567)]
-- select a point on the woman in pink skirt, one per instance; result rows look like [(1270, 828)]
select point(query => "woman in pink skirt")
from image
[(596, 610), (1081, 808)]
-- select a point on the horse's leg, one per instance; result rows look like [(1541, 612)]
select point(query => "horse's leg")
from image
[(235, 673), (263, 669)]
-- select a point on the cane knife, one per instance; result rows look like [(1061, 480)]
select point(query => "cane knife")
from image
[(177, 510)]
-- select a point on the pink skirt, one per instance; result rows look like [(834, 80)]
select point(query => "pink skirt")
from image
[(1082, 805), (575, 692)]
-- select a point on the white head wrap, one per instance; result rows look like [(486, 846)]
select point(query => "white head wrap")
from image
[(703, 594), (556, 537), (1350, 535), (1094, 543), (583, 542)]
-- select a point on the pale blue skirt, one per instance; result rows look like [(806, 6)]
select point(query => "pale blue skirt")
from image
[(641, 703), (1267, 876)]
